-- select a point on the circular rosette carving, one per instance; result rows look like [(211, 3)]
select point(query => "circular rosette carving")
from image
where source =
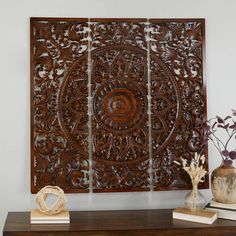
[(119, 105)]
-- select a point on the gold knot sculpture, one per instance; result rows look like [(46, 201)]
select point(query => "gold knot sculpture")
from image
[(59, 204)]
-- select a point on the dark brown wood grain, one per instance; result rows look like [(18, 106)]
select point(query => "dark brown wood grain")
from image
[(179, 108), (120, 105), (138, 222), (59, 149), (121, 99)]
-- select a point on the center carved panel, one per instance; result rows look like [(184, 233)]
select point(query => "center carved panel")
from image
[(115, 102), (120, 120)]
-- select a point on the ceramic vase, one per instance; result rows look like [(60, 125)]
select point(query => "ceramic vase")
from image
[(223, 183)]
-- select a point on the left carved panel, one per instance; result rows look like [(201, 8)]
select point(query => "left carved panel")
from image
[(59, 110)]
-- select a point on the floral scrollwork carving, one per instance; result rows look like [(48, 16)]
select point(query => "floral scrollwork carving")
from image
[(114, 102)]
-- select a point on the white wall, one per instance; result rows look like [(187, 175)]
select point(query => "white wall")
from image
[(14, 88)]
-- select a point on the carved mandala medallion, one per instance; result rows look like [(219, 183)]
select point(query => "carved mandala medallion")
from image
[(111, 110), (119, 105)]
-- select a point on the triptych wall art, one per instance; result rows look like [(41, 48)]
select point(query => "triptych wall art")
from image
[(114, 102)]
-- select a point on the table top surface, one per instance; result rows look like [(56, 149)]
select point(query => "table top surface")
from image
[(111, 220)]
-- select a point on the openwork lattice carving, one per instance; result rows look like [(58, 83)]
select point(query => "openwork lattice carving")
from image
[(115, 102), (178, 104), (59, 130), (120, 133)]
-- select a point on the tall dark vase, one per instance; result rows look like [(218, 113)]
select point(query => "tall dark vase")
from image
[(223, 183)]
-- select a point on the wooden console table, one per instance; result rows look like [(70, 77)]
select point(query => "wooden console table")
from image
[(101, 223)]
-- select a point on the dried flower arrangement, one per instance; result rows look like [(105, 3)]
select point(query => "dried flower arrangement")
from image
[(197, 173), (213, 132)]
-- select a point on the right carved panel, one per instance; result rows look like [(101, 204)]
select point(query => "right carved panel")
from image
[(178, 98)]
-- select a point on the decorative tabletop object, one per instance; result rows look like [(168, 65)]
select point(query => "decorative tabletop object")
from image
[(195, 200), (222, 133), (56, 213), (57, 207)]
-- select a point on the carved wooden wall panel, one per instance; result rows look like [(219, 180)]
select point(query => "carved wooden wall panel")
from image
[(114, 102), (59, 93), (178, 98), (120, 120)]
